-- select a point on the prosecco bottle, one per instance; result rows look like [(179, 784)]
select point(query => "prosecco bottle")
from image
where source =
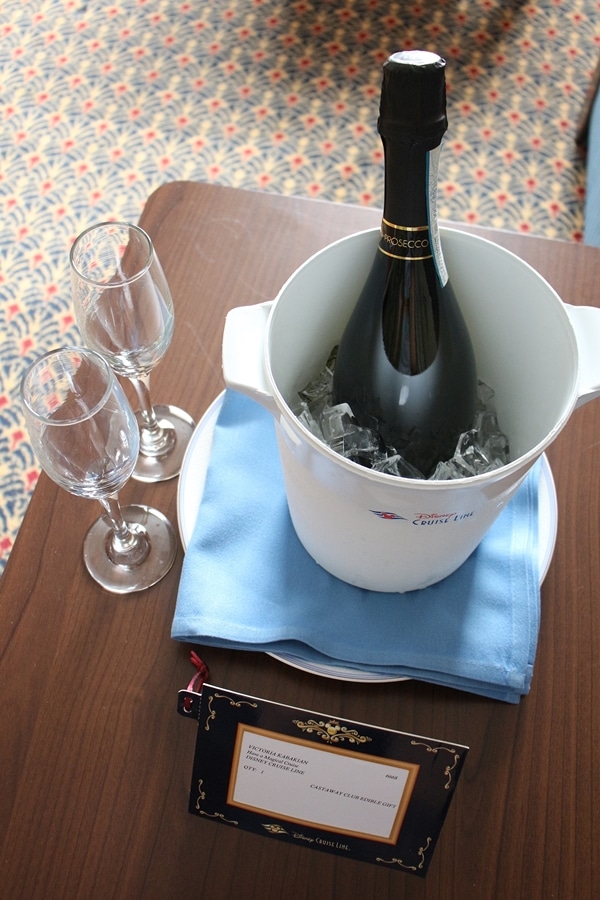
[(405, 362)]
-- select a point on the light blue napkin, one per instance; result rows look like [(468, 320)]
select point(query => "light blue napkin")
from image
[(247, 582)]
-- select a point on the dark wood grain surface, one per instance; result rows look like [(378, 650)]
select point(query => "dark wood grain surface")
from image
[(95, 764)]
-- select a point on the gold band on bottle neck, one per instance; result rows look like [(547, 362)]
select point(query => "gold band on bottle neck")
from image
[(405, 227), (405, 247)]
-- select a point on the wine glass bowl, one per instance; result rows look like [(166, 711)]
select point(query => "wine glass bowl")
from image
[(124, 311), (83, 434), (86, 438)]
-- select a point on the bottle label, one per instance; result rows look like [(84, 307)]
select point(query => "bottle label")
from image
[(405, 243), (433, 161)]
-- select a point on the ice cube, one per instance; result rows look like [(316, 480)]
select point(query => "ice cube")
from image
[(337, 421), (308, 420), (397, 465)]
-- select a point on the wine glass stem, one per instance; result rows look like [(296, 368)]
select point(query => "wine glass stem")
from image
[(154, 439), (142, 389), (126, 546)]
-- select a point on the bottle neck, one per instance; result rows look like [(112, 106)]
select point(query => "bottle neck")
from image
[(409, 229)]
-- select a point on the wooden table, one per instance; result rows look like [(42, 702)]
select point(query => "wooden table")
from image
[(95, 764)]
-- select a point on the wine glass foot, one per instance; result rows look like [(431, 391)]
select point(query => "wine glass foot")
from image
[(123, 579), (162, 468)]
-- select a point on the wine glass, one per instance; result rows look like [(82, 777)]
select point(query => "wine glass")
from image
[(86, 438), (124, 311)]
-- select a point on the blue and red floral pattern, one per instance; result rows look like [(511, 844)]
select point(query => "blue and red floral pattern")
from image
[(102, 102)]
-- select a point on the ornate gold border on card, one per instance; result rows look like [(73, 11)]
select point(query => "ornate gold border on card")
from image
[(212, 713), (214, 815), (449, 769), (331, 732), (398, 862)]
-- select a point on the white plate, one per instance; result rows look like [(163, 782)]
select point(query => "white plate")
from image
[(191, 488)]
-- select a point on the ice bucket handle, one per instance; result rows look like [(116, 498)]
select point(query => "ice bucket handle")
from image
[(244, 339), (586, 325)]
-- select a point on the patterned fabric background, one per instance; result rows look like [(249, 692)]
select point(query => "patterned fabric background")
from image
[(102, 102)]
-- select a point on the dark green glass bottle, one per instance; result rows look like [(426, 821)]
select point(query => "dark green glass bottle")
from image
[(405, 363)]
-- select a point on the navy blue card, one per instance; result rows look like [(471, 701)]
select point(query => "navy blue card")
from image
[(326, 783)]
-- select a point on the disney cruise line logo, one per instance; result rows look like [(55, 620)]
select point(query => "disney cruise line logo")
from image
[(424, 518)]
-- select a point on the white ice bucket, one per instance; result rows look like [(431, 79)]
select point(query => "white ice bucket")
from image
[(378, 531)]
